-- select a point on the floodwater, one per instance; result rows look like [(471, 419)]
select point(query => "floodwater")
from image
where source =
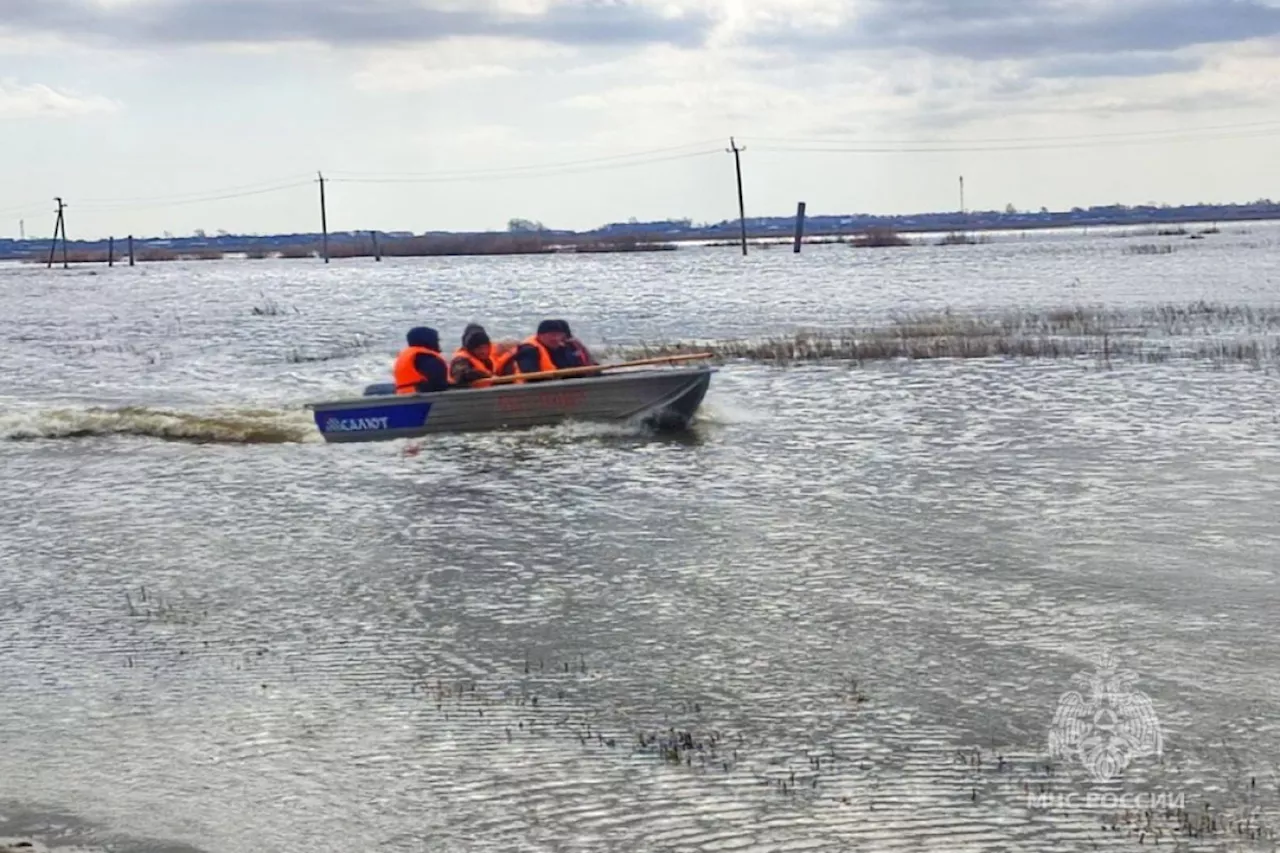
[(842, 614)]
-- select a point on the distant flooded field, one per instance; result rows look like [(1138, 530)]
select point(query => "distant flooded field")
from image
[(867, 603)]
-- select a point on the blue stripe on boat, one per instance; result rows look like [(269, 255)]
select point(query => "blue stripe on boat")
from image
[(374, 418)]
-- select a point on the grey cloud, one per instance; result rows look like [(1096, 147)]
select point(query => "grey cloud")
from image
[(949, 117), (1023, 29), (343, 22), (1114, 65)]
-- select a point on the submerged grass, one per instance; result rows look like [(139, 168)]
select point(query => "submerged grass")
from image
[(553, 707), (358, 345), (1219, 333)]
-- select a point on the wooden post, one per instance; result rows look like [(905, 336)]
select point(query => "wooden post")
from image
[(377, 253), (799, 226), (111, 251), (324, 221), (130, 250)]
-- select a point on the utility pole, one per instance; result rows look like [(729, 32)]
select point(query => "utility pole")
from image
[(742, 209), (962, 195), (22, 230), (324, 221), (59, 224)]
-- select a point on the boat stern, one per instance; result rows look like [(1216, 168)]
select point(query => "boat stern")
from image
[(371, 421)]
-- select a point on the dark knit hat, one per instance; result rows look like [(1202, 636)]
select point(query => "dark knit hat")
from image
[(564, 327), (474, 336), (548, 326), (423, 336)]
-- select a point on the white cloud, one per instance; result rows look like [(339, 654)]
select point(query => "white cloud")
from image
[(888, 94), (451, 61), (38, 100)]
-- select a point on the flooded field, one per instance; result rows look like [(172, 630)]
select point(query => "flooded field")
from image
[(846, 612)]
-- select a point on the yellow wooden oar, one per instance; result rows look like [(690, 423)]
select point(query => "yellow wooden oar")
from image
[(594, 368)]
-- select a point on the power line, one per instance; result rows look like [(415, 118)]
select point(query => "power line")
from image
[(199, 200), (492, 175), (167, 197), (23, 209), (535, 167), (618, 161)]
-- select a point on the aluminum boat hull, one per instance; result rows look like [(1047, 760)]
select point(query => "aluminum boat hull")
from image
[(665, 399)]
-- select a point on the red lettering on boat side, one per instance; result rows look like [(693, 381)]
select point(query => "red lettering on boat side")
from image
[(567, 400)]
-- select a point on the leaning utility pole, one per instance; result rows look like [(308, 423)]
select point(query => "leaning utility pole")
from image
[(742, 210), (59, 224), (324, 221)]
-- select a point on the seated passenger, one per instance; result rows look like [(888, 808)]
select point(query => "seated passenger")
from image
[(472, 365), (498, 349), (580, 355), (538, 353), (420, 368)]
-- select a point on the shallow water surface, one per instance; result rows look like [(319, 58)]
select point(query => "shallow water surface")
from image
[(840, 614)]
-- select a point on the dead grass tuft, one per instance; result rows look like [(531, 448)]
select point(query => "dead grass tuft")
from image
[(1220, 333)]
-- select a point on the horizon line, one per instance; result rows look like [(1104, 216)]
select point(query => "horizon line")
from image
[(950, 220)]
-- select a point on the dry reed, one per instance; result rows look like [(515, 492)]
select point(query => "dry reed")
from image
[(879, 238), (1219, 333)]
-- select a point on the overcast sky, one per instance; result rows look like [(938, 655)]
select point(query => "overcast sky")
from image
[(160, 115)]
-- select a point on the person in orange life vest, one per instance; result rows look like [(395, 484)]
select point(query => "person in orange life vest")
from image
[(472, 364), (499, 349), (538, 353), (581, 356), (420, 368)]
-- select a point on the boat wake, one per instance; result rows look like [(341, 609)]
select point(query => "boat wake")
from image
[(723, 412), (225, 427)]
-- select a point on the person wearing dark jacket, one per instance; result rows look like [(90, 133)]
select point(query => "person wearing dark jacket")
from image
[(578, 352), (420, 368), (541, 352), (472, 365)]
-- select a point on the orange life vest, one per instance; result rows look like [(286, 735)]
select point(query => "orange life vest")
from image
[(482, 366), (508, 359), (498, 349), (406, 373)]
